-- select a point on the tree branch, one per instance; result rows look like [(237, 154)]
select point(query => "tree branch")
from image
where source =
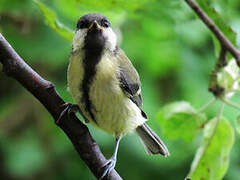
[(224, 41), (44, 91)]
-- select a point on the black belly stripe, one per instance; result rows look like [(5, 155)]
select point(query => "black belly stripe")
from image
[(88, 77), (94, 44)]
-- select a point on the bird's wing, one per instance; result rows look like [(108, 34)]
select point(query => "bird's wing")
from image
[(129, 79)]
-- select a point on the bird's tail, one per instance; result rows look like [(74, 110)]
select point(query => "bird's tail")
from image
[(152, 143)]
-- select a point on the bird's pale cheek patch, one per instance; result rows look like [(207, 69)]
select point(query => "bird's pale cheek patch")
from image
[(78, 40), (111, 39)]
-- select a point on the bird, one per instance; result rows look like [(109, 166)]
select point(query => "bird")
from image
[(106, 87)]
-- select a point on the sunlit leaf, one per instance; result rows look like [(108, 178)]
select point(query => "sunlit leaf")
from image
[(227, 77), (54, 23), (212, 157), (180, 120)]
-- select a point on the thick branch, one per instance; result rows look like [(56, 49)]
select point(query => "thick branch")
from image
[(224, 41), (45, 92)]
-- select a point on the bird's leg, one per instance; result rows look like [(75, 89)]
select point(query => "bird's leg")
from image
[(69, 109), (110, 163)]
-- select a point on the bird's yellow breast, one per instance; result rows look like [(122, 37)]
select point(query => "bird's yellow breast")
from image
[(114, 112)]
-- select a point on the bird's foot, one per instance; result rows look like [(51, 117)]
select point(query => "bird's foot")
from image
[(108, 167), (68, 109)]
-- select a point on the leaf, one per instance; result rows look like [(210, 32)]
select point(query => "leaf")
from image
[(216, 44), (212, 158), (54, 23), (215, 16), (180, 120), (227, 77)]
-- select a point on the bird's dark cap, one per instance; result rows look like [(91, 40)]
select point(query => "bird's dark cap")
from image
[(86, 20)]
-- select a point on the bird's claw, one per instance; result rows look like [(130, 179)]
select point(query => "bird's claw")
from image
[(69, 109), (108, 167)]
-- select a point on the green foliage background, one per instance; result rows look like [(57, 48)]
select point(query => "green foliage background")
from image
[(174, 54)]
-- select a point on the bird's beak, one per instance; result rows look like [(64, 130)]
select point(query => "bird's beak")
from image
[(95, 26)]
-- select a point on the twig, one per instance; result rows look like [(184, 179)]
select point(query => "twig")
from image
[(236, 106), (233, 91), (206, 106), (217, 32), (226, 46), (44, 91), (222, 59), (219, 114), (214, 86)]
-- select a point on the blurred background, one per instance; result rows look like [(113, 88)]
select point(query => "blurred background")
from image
[(173, 52)]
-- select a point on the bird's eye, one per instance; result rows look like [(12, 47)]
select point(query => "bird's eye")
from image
[(82, 24), (105, 23)]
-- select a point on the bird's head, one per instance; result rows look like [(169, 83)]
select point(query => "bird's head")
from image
[(94, 31)]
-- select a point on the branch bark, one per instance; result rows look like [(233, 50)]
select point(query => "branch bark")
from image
[(224, 41), (15, 67)]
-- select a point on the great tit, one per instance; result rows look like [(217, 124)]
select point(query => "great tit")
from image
[(106, 87)]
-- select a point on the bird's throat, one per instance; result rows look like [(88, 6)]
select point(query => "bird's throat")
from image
[(94, 42)]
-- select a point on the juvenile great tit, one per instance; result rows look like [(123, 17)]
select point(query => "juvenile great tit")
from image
[(106, 87)]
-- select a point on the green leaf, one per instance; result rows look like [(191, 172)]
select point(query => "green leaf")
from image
[(217, 45), (227, 30), (54, 23), (212, 157), (180, 120)]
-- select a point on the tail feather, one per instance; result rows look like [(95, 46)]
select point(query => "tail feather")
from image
[(152, 143)]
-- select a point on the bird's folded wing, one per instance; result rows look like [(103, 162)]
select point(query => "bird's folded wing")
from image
[(129, 79)]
